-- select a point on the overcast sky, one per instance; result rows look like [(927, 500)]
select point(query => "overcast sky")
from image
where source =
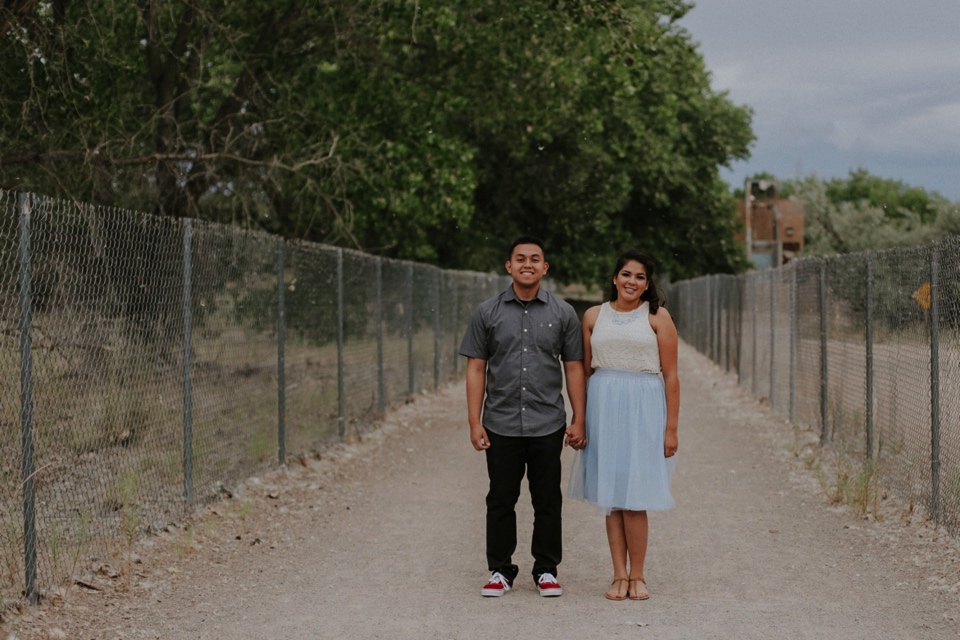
[(840, 84)]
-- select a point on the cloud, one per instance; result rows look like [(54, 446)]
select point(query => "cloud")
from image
[(932, 131), (872, 83), (895, 102)]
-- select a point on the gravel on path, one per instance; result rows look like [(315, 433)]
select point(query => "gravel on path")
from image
[(384, 539)]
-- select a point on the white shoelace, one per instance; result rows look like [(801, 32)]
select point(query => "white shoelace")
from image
[(498, 577)]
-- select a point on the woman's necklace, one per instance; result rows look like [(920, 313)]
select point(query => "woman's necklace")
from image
[(624, 317)]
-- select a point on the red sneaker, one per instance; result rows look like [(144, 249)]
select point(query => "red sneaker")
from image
[(496, 586), (548, 586)]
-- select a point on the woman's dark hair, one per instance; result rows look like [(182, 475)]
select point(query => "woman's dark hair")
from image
[(652, 294)]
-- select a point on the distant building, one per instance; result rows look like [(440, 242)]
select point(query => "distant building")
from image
[(773, 233)]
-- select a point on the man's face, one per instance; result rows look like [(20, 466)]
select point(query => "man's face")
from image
[(527, 265)]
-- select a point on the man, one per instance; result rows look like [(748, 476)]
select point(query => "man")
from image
[(514, 344)]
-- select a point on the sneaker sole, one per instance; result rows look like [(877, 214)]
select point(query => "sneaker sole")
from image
[(550, 593), (492, 593)]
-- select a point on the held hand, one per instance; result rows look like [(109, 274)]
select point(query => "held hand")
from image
[(576, 436), (670, 443), (478, 438)]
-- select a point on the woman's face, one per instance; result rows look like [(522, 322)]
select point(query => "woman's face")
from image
[(631, 282)]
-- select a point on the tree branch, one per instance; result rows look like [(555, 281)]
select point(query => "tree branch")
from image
[(252, 72), (94, 157), (13, 11)]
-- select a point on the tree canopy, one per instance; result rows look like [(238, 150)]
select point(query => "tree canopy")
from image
[(411, 129)]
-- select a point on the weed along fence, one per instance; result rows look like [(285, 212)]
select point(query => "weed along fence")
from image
[(148, 362), (863, 348)]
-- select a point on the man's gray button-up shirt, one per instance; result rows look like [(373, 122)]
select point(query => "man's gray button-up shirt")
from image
[(522, 344)]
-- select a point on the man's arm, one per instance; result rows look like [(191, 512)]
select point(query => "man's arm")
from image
[(576, 391), (476, 386)]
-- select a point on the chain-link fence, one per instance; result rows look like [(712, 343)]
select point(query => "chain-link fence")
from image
[(147, 363), (862, 348)]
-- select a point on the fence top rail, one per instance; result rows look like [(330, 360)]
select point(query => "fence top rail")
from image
[(48, 203), (949, 244)]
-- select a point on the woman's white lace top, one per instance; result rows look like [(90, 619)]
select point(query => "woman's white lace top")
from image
[(624, 340)]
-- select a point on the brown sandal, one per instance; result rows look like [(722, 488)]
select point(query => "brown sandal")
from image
[(634, 591), (616, 595)]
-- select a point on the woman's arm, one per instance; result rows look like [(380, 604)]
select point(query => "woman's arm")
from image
[(589, 320), (667, 341)]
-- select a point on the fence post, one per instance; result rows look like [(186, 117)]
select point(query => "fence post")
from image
[(868, 294), (717, 319), (728, 308), (773, 337), (753, 356), (725, 319), (823, 355), (934, 387), (740, 287), (341, 413), (793, 345), (411, 369), (693, 316), (711, 338), (703, 337), (708, 327), (281, 367), (698, 317), (26, 403), (187, 357), (436, 330), (381, 387)]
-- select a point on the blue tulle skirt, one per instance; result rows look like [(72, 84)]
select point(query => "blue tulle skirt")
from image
[(623, 466)]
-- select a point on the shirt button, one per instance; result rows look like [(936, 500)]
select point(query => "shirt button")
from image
[(524, 388), (524, 313), (524, 348), (524, 330), (524, 368)]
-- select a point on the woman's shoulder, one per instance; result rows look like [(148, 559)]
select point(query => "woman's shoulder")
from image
[(660, 318)]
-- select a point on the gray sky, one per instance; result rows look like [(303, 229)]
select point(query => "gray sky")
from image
[(841, 84)]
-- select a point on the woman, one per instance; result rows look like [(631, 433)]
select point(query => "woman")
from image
[(633, 402)]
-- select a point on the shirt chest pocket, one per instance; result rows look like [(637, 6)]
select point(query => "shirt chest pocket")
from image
[(548, 336)]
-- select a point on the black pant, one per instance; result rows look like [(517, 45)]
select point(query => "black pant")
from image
[(507, 459)]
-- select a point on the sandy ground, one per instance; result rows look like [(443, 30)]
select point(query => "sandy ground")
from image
[(384, 539)]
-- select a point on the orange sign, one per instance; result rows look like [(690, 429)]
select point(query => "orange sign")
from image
[(922, 295)]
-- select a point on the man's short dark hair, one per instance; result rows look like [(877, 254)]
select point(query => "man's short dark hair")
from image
[(526, 240)]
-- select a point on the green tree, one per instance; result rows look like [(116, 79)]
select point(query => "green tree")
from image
[(897, 199), (864, 211), (431, 131), (182, 108), (595, 127)]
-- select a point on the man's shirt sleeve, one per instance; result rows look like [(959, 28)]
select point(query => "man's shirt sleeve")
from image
[(474, 344), (572, 336)]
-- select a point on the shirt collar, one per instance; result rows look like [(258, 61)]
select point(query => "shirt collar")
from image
[(512, 295)]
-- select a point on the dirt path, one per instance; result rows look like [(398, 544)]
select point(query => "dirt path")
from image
[(385, 540)]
